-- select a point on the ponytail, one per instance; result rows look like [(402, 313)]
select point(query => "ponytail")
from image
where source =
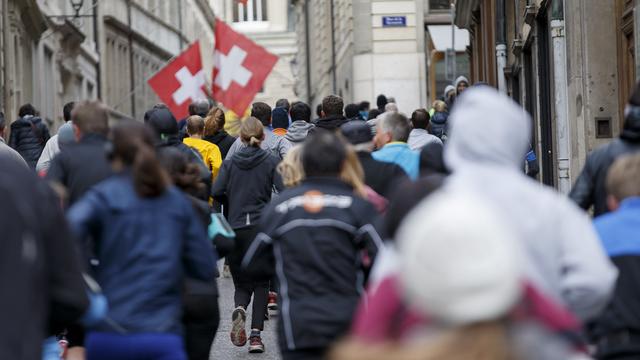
[(133, 145), (149, 178), (251, 132)]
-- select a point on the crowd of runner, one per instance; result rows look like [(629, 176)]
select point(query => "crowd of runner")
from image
[(375, 235)]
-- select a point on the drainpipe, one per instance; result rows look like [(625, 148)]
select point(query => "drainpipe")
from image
[(333, 50), (96, 40), (501, 45), (132, 78), (563, 143), (307, 51)]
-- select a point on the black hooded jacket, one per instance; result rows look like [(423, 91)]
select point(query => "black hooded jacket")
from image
[(331, 122), (590, 187), (245, 183), (28, 137), (223, 140)]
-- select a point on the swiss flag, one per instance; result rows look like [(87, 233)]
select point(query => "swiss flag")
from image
[(181, 81), (240, 68)]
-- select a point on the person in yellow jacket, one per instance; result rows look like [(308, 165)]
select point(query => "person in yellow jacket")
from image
[(209, 151)]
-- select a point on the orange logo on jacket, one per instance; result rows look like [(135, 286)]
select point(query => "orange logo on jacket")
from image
[(313, 201)]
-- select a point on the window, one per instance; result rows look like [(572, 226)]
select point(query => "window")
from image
[(439, 5), (254, 10)]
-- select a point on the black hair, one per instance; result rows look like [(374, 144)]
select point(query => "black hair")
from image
[(27, 109), (300, 111), (323, 154), (420, 119), (67, 109), (2, 121), (364, 106), (283, 103), (319, 110), (373, 113), (351, 111), (262, 112), (381, 101)]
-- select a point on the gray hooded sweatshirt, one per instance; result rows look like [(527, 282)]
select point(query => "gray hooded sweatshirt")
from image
[(298, 131), (564, 257)]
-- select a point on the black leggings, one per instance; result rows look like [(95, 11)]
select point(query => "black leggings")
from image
[(201, 319), (242, 297)]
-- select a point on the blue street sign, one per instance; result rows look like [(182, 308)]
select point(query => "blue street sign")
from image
[(388, 21)]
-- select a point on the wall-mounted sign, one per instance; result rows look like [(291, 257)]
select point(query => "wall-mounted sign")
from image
[(394, 21)]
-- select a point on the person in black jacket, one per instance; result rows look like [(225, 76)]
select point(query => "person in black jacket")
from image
[(29, 135), (332, 114), (589, 189), (40, 276), (380, 176), (316, 232), (83, 164), (164, 125), (214, 131), (244, 184)]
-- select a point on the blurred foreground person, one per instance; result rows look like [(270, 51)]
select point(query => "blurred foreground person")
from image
[(40, 277), (29, 134), (201, 313), (564, 257), (147, 238), (244, 184), (616, 332), (316, 232), (590, 188), (84, 163), (470, 303)]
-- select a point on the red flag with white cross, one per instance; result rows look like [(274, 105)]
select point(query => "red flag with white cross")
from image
[(240, 68), (181, 81)]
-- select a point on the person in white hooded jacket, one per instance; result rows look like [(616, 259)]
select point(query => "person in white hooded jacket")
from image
[(564, 257)]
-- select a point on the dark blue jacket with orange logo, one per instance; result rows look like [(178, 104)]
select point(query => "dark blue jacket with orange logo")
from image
[(317, 234)]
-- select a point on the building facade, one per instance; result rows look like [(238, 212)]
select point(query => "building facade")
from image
[(571, 64), (361, 48), (270, 23), (50, 56)]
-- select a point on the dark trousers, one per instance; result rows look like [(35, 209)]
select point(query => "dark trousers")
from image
[(304, 354), (157, 346), (242, 297), (201, 320)]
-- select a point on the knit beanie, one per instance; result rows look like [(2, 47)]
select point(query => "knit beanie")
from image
[(459, 261), (279, 118)]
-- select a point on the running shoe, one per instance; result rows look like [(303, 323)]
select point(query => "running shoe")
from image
[(238, 333)]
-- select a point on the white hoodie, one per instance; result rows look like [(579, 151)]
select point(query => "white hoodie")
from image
[(564, 257)]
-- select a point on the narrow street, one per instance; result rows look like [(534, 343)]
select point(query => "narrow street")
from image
[(223, 349)]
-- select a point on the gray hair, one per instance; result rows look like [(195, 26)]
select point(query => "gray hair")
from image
[(391, 107), (396, 124)]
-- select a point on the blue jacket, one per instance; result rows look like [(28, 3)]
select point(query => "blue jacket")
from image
[(400, 153), (144, 246), (620, 235)]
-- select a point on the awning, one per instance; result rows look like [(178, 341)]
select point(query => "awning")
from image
[(441, 37)]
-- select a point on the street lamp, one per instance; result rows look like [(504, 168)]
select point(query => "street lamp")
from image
[(77, 6)]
